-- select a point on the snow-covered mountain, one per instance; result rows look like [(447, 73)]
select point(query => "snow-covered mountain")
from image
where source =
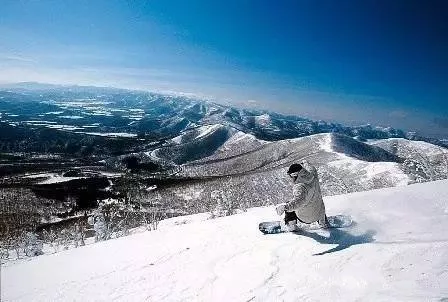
[(345, 164), (422, 161), (241, 171), (207, 138), (107, 110), (397, 250), (195, 144)]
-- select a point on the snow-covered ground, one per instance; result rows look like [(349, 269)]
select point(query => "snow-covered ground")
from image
[(51, 178), (396, 251), (55, 178), (111, 134), (64, 127)]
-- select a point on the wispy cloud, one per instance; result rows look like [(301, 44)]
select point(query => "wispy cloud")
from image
[(16, 58)]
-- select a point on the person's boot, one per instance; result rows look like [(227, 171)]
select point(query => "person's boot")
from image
[(292, 225), (323, 223), (289, 226), (290, 221)]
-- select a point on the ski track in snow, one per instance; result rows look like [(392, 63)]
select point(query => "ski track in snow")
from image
[(396, 251)]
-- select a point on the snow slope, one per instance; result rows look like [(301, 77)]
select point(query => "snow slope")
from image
[(396, 251)]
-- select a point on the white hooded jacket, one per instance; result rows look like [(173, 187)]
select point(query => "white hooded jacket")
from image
[(307, 200)]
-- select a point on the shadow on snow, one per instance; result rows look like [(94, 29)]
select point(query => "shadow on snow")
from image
[(342, 238)]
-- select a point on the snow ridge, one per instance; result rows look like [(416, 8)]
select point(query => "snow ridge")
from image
[(206, 130)]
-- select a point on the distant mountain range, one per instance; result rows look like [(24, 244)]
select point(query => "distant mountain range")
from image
[(111, 110), (198, 138)]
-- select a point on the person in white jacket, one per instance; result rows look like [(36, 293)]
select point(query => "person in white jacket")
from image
[(307, 205)]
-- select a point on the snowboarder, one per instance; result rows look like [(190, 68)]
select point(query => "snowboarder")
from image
[(307, 205)]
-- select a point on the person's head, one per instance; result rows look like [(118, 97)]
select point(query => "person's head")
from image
[(294, 170)]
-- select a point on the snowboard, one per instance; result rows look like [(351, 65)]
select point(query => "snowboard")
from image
[(274, 227)]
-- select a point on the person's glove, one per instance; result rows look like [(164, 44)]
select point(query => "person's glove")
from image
[(280, 209)]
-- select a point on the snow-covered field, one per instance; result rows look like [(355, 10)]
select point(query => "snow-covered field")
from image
[(396, 251), (112, 134)]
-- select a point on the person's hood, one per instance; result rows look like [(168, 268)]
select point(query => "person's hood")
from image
[(306, 175)]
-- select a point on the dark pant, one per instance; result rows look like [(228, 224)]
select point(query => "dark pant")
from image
[(290, 216)]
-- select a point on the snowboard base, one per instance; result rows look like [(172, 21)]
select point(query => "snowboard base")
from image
[(274, 227)]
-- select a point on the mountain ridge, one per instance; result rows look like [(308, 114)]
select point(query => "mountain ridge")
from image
[(261, 123)]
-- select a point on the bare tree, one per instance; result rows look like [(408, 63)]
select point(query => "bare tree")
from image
[(50, 237)]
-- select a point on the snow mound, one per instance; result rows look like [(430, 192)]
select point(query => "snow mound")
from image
[(396, 251)]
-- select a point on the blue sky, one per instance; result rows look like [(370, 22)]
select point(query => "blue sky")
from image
[(379, 62)]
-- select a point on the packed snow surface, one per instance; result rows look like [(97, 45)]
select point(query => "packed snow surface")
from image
[(397, 250)]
